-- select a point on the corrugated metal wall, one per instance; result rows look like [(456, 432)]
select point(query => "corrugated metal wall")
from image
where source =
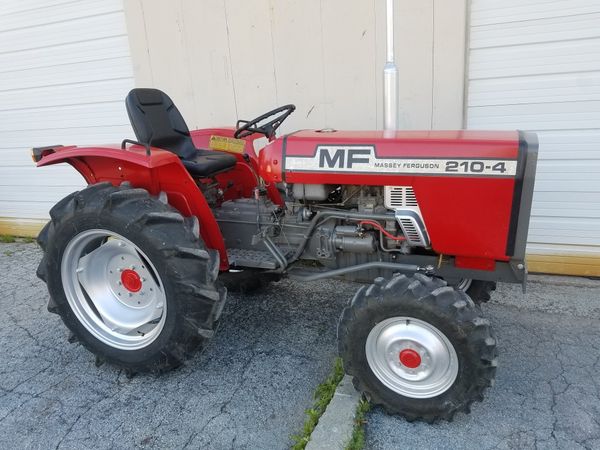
[(535, 65), (65, 69)]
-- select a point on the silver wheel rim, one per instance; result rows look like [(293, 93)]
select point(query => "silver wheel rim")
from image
[(113, 289), (464, 284), (397, 336)]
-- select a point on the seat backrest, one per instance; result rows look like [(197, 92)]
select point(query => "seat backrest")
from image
[(157, 121)]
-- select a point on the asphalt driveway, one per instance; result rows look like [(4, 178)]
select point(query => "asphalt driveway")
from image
[(249, 389), (547, 391)]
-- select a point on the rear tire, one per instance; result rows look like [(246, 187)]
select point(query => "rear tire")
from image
[(170, 280), (417, 347)]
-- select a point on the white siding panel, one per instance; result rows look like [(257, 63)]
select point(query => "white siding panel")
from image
[(58, 12), (65, 136), (18, 6), (66, 74), (65, 69), (535, 59), (485, 12), (535, 31), (62, 95), (570, 144), (60, 33), (537, 116), (78, 52), (567, 87), (535, 65), (102, 115)]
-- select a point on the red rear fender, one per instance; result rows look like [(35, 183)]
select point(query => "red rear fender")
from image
[(162, 171)]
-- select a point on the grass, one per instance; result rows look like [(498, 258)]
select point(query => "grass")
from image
[(9, 239), (357, 442), (322, 397)]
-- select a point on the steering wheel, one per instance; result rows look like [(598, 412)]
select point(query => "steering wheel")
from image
[(245, 128)]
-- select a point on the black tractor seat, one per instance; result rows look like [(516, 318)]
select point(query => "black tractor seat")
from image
[(208, 162), (156, 121)]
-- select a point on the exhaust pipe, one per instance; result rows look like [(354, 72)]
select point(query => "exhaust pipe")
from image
[(390, 74)]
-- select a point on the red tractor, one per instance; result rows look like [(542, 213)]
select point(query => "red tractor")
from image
[(138, 263)]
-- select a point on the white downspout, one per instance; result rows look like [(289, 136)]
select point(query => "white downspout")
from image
[(390, 74)]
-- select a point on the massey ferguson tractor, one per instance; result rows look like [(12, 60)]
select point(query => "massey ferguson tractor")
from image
[(138, 263)]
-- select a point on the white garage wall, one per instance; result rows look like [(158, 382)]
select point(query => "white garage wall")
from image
[(535, 65), (221, 60), (65, 69)]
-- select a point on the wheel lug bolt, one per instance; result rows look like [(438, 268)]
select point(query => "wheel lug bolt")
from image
[(130, 294)]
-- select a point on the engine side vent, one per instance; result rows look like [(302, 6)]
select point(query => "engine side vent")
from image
[(412, 227), (403, 201), (400, 197)]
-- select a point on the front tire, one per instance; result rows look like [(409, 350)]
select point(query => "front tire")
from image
[(417, 347), (129, 278)]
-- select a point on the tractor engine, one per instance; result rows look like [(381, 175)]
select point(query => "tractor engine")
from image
[(345, 225)]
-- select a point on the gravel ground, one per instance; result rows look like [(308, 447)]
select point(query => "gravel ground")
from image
[(547, 392), (249, 388)]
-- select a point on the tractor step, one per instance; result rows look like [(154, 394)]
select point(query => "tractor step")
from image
[(239, 257)]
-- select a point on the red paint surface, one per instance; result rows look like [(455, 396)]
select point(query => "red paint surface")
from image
[(161, 171), (465, 216)]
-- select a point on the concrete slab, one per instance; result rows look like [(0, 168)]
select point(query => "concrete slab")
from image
[(335, 427)]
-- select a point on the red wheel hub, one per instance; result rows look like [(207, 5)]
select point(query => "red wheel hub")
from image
[(131, 280), (410, 358)]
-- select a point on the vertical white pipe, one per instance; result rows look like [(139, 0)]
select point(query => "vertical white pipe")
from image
[(390, 74)]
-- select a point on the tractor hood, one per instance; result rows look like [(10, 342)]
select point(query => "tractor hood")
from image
[(481, 182), (313, 156)]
